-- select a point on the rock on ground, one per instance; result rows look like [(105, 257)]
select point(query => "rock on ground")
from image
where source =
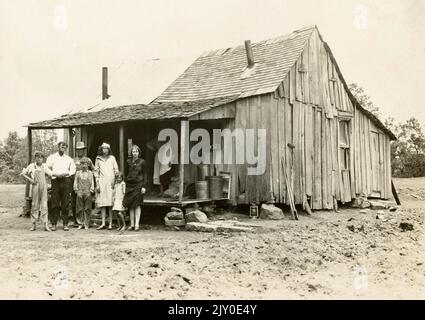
[(196, 216), (175, 215), (174, 223), (378, 205), (216, 227), (271, 212)]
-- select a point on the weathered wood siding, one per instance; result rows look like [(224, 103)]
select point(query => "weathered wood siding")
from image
[(312, 111)]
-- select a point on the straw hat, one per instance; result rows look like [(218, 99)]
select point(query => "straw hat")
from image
[(80, 145)]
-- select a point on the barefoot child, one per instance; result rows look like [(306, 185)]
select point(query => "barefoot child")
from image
[(118, 208), (84, 187), (36, 173)]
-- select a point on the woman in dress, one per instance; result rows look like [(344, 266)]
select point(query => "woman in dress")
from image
[(106, 168), (135, 187)]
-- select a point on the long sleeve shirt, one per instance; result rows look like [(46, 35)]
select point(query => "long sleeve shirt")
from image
[(105, 169), (62, 165)]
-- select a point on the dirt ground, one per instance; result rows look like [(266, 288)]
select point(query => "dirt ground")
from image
[(315, 257)]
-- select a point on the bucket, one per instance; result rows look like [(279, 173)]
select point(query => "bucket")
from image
[(215, 184), (226, 183), (201, 188), (203, 172)]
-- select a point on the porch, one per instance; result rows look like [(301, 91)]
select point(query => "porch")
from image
[(123, 127)]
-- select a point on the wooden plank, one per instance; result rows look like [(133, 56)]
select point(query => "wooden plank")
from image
[(277, 173), (333, 152), (292, 84), (323, 161), (275, 150), (368, 160), (184, 130), (394, 192), (339, 167), (70, 143), (305, 77), (337, 91), (331, 83), (343, 96), (264, 110), (221, 112), (352, 174), (302, 152), (288, 139), (282, 148), (313, 70), (317, 199), (309, 143), (262, 181), (296, 172), (242, 122), (329, 163), (384, 185), (389, 174), (286, 86), (251, 191), (29, 160), (363, 155), (299, 81), (325, 82), (121, 147), (356, 152)]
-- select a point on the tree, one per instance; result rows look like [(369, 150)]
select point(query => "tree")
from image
[(8, 150), (14, 150), (408, 151), (364, 100)]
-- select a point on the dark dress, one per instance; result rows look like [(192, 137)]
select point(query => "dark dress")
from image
[(134, 183)]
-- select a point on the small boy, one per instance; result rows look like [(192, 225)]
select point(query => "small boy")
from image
[(36, 173), (84, 187)]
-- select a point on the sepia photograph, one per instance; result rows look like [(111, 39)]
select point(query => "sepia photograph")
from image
[(212, 150)]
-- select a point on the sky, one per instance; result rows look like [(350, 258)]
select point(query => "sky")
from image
[(52, 52)]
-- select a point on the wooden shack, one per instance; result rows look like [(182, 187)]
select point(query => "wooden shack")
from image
[(328, 145)]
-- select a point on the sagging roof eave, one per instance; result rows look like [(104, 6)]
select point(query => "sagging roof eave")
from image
[(76, 123)]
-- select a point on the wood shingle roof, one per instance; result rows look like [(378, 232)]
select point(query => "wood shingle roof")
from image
[(152, 111), (220, 73)]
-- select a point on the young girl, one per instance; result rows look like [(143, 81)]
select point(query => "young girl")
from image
[(118, 208), (36, 173)]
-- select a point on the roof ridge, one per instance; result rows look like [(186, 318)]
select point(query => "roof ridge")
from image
[(260, 42)]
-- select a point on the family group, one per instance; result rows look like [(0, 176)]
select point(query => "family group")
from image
[(80, 183)]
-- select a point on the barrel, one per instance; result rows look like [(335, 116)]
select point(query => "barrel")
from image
[(203, 172), (201, 188), (215, 184)]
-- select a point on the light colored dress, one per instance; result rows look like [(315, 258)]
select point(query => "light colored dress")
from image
[(119, 196), (105, 171)]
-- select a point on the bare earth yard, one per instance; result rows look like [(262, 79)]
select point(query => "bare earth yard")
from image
[(315, 257)]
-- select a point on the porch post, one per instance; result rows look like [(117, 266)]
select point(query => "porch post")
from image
[(121, 147), (29, 159), (70, 143), (184, 127)]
